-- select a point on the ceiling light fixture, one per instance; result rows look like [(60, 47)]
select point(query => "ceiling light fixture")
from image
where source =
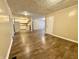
[(25, 13)]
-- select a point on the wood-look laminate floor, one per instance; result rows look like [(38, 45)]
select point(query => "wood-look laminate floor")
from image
[(36, 45)]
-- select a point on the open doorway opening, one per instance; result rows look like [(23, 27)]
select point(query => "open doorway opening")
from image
[(22, 24)]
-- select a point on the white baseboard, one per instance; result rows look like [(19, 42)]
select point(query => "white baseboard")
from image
[(7, 56), (64, 38)]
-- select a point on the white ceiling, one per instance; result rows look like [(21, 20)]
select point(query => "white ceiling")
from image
[(42, 7)]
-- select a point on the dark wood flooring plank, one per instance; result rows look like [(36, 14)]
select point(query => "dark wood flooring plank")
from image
[(36, 45)]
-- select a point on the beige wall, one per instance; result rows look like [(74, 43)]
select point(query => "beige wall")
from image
[(49, 24), (5, 36), (5, 30), (65, 22)]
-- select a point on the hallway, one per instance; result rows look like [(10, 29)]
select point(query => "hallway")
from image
[(37, 45), (38, 29)]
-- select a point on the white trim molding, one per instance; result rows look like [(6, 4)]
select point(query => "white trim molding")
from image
[(9, 49), (64, 38)]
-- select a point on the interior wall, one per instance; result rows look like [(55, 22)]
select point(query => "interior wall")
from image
[(5, 36), (5, 30), (65, 22), (17, 27), (49, 24), (38, 23)]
